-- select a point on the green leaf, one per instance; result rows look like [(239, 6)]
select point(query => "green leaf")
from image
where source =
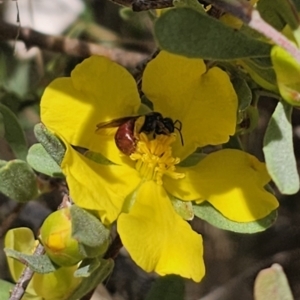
[(278, 13), (40, 160), (170, 287), (272, 284), (18, 181), (14, 134), (37, 263), (207, 212), (262, 75), (5, 289), (98, 158), (192, 159), (50, 142), (187, 32), (269, 12), (243, 92), (189, 3), (183, 208), (279, 152), (98, 276), (87, 267), (89, 231)]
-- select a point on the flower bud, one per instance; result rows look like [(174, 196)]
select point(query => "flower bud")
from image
[(56, 236)]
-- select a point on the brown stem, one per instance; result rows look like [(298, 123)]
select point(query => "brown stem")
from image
[(138, 72), (140, 5), (73, 47), (21, 285), (240, 9)]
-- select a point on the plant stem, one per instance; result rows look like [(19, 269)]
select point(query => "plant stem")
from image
[(21, 285)]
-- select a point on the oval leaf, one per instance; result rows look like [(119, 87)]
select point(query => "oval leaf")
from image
[(40, 160), (207, 212), (87, 267), (87, 229), (98, 276), (50, 142), (278, 13), (187, 32), (279, 151), (272, 284), (14, 134), (183, 208), (18, 181), (243, 92), (37, 263), (264, 76)]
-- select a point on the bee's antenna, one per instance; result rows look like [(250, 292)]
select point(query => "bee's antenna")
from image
[(179, 130)]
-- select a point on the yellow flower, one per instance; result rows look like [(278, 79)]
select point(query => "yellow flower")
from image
[(136, 189)]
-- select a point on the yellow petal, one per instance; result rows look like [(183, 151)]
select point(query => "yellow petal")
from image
[(204, 102), (98, 90), (232, 181), (158, 239), (98, 187)]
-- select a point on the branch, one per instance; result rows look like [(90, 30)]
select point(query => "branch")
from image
[(23, 281), (72, 47), (140, 5), (249, 15)]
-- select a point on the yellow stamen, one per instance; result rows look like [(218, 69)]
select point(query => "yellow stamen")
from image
[(154, 157)]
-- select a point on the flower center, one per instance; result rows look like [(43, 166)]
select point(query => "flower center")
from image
[(154, 157)]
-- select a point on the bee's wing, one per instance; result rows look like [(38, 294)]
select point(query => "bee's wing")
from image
[(114, 123)]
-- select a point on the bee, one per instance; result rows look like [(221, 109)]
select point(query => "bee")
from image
[(128, 127)]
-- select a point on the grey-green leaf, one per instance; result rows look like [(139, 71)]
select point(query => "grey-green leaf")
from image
[(18, 181), (272, 284), (187, 32), (40, 160), (37, 263), (192, 159), (98, 276), (14, 134), (50, 142), (189, 3), (207, 212), (279, 151), (97, 157), (243, 92), (87, 267), (183, 208), (278, 13), (170, 287), (87, 229)]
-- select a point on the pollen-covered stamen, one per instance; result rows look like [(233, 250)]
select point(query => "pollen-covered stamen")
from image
[(154, 157)]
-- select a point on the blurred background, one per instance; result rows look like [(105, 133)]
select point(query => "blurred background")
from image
[(41, 40)]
